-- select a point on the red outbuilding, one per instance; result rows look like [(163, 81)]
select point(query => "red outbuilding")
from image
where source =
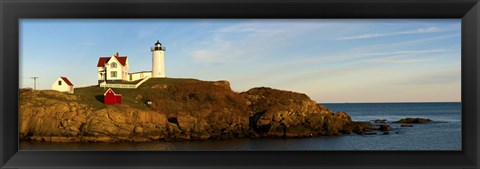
[(111, 98)]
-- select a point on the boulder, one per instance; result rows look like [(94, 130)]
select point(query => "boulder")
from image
[(186, 122), (379, 121), (414, 120), (406, 125), (357, 127), (223, 83), (384, 127)]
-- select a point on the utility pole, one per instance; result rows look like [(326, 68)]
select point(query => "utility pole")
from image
[(34, 82)]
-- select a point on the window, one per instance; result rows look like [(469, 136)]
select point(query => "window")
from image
[(113, 74), (113, 65), (59, 82)]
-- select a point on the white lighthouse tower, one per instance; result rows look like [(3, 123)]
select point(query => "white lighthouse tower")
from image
[(158, 60)]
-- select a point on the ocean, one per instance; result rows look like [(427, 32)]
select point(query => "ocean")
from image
[(444, 135)]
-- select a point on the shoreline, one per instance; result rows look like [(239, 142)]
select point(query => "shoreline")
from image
[(179, 109), (372, 127)]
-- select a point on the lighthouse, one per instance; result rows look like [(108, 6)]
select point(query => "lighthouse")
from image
[(158, 60)]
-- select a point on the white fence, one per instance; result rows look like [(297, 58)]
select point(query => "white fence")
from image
[(141, 82), (125, 86)]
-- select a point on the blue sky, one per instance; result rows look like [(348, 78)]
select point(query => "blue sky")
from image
[(329, 60)]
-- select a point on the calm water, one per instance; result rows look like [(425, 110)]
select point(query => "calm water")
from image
[(435, 136)]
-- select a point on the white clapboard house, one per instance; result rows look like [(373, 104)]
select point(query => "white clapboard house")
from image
[(114, 70)]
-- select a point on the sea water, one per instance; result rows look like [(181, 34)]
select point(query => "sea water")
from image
[(444, 134)]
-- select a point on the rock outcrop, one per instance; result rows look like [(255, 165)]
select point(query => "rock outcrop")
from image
[(277, 113), (58, 117), (414, 120), (177, 110)]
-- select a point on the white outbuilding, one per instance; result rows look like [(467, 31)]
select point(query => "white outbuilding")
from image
[(63, 84)]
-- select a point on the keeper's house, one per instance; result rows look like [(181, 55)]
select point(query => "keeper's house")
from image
[(114, 69)]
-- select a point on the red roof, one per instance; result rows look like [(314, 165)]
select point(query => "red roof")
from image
[(103, 60), (110, 89), (122, 59), (67, 81)]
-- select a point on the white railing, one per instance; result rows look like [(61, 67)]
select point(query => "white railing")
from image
[(158, 48), (141, 82), (125, 86)]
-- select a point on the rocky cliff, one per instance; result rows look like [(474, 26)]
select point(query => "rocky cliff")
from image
[(278, 113), (176, 109)]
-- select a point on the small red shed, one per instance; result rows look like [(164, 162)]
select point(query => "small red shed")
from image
[(110, 97)]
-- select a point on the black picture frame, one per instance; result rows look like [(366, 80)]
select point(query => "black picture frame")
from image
[(13, 10)]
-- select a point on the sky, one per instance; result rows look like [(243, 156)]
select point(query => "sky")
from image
[(332, 61)]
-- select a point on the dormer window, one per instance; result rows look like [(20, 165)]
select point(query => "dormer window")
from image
[(59, 82), (113, 65)]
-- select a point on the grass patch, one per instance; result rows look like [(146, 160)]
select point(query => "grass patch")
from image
[(93, 95), (167, 81), (167, 94)]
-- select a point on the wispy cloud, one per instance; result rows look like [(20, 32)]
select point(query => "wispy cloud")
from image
[(355, 55), (376, 35), (402, 52), (246, 41), (349, 64), (219, 51), (250, 28), (147, 32), (437, 77), (391, 60)]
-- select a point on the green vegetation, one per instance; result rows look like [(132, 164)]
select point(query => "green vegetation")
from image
[(277, 99), (171, 96), (93, 95), (195, 97), (168, 81)]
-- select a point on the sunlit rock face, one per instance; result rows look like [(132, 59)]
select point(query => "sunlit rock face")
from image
[(185, 109), (278, 113)]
